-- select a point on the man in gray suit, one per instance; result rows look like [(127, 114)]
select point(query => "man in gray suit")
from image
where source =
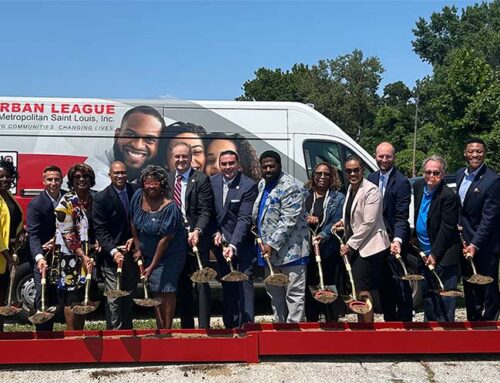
[(279, 214)]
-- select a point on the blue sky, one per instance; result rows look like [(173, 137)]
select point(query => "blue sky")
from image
[(194, 50)]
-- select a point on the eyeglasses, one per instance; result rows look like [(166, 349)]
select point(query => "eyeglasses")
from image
[(435, 173), (353, 171), (321, 174), (119, 173), (153, 184), (81, 176)]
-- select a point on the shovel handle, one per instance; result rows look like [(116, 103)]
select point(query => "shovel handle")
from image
[(43, 283), (197, 253), (140, 264), (119, 266)]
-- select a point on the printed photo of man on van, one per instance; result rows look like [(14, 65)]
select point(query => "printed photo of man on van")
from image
[(136, 144)]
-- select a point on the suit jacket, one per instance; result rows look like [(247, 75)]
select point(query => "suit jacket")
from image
[(367, 222), (332, 213), (198, 203), (396, 204), (442, 222), (110, 221), (480, 211), (40, 222), (233, 219), (283, 224)]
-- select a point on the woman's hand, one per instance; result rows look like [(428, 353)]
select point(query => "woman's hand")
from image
[(312, 220), (129, 245), (345, 250), (88, 263), (137, 255), (338, 226), (317, 239), (148, 270)]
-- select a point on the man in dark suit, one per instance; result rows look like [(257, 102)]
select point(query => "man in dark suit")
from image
[(478, 187), (436, 218), (41, 225), (395, 294), (234, 196), (110, 217), (190, 189)]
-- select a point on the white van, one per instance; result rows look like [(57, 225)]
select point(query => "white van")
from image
[(36, 132)]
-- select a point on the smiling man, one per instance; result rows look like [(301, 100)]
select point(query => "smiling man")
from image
[(235, 195), (479, 190), (137, 143), (280, 218)]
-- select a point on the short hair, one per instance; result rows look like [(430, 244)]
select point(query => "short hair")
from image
[(271, 154), (475, 140), (84, 169), (10, 168), (436, 158), (156, 172), (52, 168), (144, 109), (353, 157), (229, 151), (182, 143), (334, 182)]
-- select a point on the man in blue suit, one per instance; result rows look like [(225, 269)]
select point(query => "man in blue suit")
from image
[(395, 294), (41, 225), (235, 195), (478, 187)]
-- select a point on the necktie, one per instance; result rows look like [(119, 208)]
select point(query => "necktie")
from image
[(224, 193), (177, 191), (382, 184), (124, 200)]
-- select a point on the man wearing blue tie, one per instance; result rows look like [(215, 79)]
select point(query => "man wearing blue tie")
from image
[(235, 195), (478, 187), (395, 294)]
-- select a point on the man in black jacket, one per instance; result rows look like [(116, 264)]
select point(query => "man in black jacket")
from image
[(436, 218), (191, 190), (110, 216), (41, 225)]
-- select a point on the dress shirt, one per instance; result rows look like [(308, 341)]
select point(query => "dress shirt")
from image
[(423, 212), (466, 182)]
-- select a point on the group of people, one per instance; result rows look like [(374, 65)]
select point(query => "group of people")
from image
[(166, 215)]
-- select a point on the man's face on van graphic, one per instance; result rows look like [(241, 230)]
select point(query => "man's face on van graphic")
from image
[(136, 142)]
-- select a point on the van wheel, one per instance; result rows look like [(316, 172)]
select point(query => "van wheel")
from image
[(24, 291)]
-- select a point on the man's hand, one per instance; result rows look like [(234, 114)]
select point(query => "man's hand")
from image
[(267, 250), (228, 252), (338, 226), (217, 239), (312, 220), (193, 238), (430, 261), (118, 256), (470, 250), (395, 248), (317, 239), (345, 250), (41, 264)]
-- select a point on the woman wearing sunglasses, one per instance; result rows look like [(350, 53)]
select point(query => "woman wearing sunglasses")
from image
[(436, 219), (366, 239), (324, 205), (160, 237)]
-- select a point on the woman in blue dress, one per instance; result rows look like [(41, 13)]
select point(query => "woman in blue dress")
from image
[(160, 238)]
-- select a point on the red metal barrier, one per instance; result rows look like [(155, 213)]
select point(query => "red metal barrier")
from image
[(248, 345)]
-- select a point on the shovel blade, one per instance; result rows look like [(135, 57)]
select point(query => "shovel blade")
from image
[(40, 317), (479, 279), (412, 277), (235, 276), (204, 275), (9, 310), (327, 295), (116, 294), (451, 293), (360, 307), (150, 302), (82, 308), (277, 280)]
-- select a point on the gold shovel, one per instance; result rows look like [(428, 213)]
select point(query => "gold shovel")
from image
[(274, 279), (322, 293), (87, 306), (118, 292), (406, 276), (204, 274), (453, 293), (234, 275), (147, 301), (45, 314), (358, 306), (475, 278), (10, 309)]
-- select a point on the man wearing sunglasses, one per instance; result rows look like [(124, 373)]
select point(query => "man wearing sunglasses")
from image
[(436, 218), (478, 187), (395, 294)]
